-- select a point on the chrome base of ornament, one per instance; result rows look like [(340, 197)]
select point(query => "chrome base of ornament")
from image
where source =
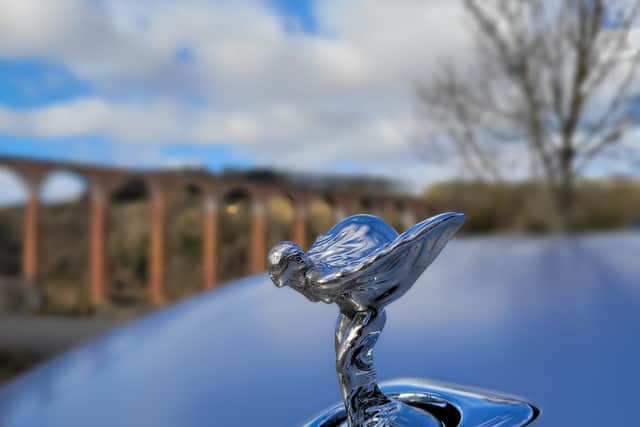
[(431, 404)]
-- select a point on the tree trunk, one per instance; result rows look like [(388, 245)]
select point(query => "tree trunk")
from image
[(564, 192)]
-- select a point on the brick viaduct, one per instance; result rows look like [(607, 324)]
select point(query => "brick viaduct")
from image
[(102, 181)]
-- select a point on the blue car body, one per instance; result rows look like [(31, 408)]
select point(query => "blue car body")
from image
[(554, 320)]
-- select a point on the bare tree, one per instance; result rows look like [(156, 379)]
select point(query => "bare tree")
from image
[(553, 82)]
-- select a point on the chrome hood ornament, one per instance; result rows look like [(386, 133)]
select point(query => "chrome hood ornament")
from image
[(362, 265)]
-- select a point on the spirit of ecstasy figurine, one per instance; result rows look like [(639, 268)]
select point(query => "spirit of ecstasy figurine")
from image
[(362, 265)]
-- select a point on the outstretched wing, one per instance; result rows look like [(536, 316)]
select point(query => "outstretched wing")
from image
[(349, 242), (388, 272)]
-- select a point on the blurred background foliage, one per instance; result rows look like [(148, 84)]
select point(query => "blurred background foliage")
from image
[(517, 207), (524, 207)]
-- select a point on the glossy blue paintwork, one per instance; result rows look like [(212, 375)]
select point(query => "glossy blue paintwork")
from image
[(553, 320)]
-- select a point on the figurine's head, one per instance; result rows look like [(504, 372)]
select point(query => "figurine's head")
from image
[(286, 264)]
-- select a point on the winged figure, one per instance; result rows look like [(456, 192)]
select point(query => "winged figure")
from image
[(362, 265)]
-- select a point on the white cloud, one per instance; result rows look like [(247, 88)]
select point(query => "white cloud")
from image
[(59, 186), (288, 99), (402, 38), (12, 189), (62, 186)]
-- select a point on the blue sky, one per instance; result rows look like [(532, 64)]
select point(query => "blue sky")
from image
[(288, 84), (33, 82), (300, 10), (29, 83), (324, 86)]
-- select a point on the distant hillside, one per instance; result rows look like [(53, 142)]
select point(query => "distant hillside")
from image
[(523, 207)]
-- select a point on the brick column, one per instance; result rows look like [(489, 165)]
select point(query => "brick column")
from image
[(98, 243), (300, 223), (258, 251), (210, 241), (31, 235), (157, 245)]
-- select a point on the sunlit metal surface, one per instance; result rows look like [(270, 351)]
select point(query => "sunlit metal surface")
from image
[(552, 319), (362, 265), (453, 406)]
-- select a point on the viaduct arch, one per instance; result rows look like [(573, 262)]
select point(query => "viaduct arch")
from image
[(103, 181)]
